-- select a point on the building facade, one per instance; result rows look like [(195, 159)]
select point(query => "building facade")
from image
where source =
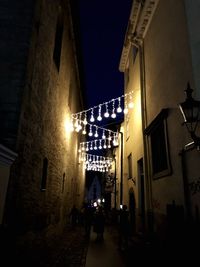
[(160, 171), (40, 89)]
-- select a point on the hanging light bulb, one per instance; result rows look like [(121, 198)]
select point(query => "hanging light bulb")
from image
[(91, 146), (92, 115), (100, 145), (87, 146), (99, 118), (95, 145), (109, 146), (115, 141), (104, 145), (103, 135), (109, 137), (119, 109), (90, 133), (106, 114), (126, 106), (78, 126), (85, 119), (76, 122), (96, 132), (130, 104), (84, 129), (113, 115)]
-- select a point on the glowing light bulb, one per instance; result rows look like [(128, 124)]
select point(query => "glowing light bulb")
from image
[(85, 121), (92, 116), (96, 133), (103, 136), (113, 115), (119, 109), (84, 130), (126, 110), (99, 118), (106, 114)]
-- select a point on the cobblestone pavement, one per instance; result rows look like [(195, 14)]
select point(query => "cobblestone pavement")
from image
[(71, 251)]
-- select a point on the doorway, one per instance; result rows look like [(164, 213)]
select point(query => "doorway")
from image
[(132, 210)]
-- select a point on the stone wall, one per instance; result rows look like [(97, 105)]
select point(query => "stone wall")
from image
[(39, 214), (16, 23)]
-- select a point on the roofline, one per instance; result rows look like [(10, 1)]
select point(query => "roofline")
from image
[(139, 21)]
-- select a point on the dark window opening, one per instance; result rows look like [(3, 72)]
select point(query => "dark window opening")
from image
[(158, 140), (130, 166), (44, 174), (158, 148)]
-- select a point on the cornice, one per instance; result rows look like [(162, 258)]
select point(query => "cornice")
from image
[(139, 21)]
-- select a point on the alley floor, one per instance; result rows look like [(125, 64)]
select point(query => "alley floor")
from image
[(75, 250)]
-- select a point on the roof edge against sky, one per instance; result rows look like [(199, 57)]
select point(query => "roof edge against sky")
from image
[(139, 21)]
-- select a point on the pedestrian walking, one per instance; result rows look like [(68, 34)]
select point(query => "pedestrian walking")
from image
[(88, 219), (74, 215), (99, 224), (124, 228)]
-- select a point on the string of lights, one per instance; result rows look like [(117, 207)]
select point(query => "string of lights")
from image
[(92, 129), (106, 109), (108, 138), (98, 144), (96, 163)]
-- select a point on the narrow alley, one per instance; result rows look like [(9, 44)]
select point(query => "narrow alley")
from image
[(100, 131)]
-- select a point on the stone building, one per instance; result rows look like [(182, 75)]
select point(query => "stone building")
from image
[(160, 172), (40, 88)]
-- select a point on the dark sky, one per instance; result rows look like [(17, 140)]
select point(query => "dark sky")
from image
[(103, 28)]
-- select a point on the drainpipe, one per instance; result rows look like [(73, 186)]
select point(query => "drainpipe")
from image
[(138, 43), (145, 141), (115, 185), (121, 169)]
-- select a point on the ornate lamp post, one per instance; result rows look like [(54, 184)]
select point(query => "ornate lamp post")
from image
[(190, 110)]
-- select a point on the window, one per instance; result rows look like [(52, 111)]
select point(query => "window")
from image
[(58, 41), (44, 174), (130, 166), (158, 143)]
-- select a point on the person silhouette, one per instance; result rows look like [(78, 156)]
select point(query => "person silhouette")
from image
[(123, 228), (74, 215), (99, 224)]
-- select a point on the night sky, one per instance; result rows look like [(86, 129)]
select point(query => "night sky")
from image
[(103, 26)]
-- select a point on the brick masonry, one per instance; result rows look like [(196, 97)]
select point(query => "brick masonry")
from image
[(38, 216)]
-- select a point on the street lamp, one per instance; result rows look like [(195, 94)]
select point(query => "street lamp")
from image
[(190, 110)]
